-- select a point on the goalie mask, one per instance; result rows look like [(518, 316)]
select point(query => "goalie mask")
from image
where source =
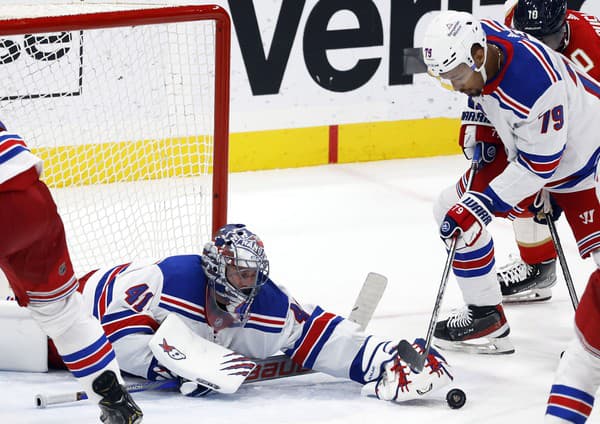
[(236, 267), (448, 41)]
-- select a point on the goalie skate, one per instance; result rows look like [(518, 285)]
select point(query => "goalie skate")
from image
[(523, 283), (475, 329)]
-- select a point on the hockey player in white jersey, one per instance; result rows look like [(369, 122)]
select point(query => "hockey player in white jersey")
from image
[(225, 296), (545, 110)]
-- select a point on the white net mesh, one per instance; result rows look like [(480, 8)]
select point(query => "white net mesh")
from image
[(123, 119)]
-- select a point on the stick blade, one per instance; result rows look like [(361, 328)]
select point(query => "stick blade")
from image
[(368, 299), (410, 355)]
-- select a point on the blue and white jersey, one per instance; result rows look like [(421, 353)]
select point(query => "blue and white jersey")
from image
[(546, 111), (15, 156), (131, 301)]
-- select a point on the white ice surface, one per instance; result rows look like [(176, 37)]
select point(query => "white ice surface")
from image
[(324, 229)]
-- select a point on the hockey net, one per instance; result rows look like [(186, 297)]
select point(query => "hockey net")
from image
[(128, 107)]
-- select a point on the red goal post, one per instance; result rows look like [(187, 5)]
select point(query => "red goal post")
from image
[(123, 125)]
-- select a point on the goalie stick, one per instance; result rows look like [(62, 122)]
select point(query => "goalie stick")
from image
[(273, 367)]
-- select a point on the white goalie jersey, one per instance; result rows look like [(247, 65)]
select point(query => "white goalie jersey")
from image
[(132, 300)]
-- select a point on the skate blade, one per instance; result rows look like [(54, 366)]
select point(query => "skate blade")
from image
[(483, 345), (529, 296)]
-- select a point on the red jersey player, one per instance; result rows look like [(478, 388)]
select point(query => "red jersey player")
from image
[(36, 262)]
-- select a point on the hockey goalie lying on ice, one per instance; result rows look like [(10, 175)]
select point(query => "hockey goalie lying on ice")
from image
[(229, 308)]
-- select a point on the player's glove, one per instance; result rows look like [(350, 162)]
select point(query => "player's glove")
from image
[(477, 131), (544, 202), (186, 387), (398, 382), (466, 219), (191, 389)]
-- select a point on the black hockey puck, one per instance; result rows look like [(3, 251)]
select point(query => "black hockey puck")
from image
[(456, 398)]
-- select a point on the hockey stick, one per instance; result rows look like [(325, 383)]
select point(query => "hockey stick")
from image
[(273, 367), (406, 351), (562, 260)]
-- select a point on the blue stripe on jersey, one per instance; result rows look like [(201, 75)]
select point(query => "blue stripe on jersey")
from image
[(140, 329), (569, 403), (271, 301), (358, 370), (105, 285), (181, 311), (85, 352), (504, 104), (533, 70), (184, 278), (117, 316), (498, 205), (305, 327), (478, 255), (590, 85), (99, 290), (566, 414), (323, 339), (5, 137), (97, 367), (263, 328), (588, 169), (12, 153), (541, 165), (561, 389), (91, 351)]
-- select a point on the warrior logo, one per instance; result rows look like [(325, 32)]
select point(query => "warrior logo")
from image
[(172, 351), (587, 217)]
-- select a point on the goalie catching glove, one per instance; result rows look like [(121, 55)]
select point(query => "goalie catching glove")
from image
[(399, 383)]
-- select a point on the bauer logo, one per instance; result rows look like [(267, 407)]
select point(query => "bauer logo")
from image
[(30, 63)]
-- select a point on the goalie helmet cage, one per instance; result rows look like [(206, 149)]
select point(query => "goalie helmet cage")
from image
[(128, 106)]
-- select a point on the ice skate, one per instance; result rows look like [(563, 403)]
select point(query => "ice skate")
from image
[(475, 329), (116, 404), (521, 282)]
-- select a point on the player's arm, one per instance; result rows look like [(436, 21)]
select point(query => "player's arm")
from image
[(540, 143), (331, 344)]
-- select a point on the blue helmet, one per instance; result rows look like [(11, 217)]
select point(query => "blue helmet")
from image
[(541, 18)]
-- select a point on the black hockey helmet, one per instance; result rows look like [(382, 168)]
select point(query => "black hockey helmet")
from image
[(544, 19)]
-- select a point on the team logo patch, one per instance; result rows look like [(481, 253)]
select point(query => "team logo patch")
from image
[(172, 351), (62, 269)]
